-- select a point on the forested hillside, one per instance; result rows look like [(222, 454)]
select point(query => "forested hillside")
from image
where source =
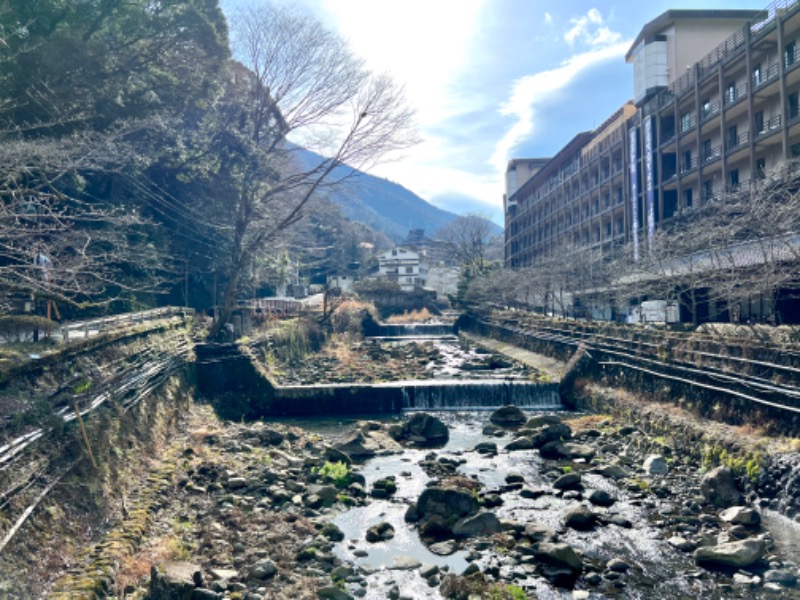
[(142, 164)]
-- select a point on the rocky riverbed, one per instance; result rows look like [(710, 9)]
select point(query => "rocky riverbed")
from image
[(376, 360), (521, 505)]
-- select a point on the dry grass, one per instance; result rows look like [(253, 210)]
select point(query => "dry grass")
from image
[(586, 422), (135, 568), (340, 348), (415, 316)]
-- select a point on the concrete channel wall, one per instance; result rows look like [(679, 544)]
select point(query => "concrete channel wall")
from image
[(240, 387)]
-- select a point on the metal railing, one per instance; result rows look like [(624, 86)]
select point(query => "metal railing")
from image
[(769, 127), (85, 329), (739, 141)]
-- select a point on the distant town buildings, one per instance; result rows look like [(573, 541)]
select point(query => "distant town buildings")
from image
[(404, 267)]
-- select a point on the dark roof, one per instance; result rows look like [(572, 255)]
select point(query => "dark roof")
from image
[(667, 18)]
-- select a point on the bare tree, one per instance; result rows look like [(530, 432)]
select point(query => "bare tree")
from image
[(299, 84), (466, 239), (57, 244)]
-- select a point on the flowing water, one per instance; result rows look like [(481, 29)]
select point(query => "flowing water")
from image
[(658, 571)]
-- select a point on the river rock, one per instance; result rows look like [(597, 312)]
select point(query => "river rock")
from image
[(782, 576), (520, 443), (718, 487), (508, 416), (537, 532), (550, 433), (537, 421), (655, 465), (486, 448), (602, 498), (383, 488), (568, 481), (566, 450), (741, 515), (580, 518), (681, 543), (173, 579), (381, 532), (732, 554), (405, 563), (356, 445), (445, 548), (565, 564), (424, 430), (484, 523), (263, 569), (331, 592), (446, 502), (612, 471)]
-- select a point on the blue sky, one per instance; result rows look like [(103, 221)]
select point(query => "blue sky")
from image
[(493, 80)]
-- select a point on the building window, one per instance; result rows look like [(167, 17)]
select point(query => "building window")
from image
[(708, 190), (758, 122), (687, 160), (730, 93), (761, 168), (686, 122), (733, 179), (687, 198), (706, 110), (790, 53), (733, 136), (409, 269), (707, 149), (756, 75), (792, 105)]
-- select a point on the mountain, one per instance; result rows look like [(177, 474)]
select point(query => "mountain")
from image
[(382, 204)]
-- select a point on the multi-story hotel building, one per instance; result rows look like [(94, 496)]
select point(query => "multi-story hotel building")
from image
[(716, 105)]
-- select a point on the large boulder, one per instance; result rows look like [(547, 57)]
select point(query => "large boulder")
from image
[(568, 481), (446, 502), (554, 432), (484, 523), (173, 580), (571, 450), (719, 488), (741, 515), (537, 421), (508, 416), (655, 465), (558, 562), (536, 532), (356, 445), (423, 430), (738, 554), (580, 518)]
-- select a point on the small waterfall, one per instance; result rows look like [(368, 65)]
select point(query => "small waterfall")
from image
[(415, 330), (479, 395)]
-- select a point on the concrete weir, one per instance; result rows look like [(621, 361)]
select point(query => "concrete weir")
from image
[(241, 387)]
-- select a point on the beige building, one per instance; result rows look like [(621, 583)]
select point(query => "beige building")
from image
[(715, 107)]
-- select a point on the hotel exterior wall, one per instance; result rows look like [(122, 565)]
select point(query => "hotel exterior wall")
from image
[(733, 118)]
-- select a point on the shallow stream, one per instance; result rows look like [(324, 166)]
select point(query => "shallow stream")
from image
[(657, 570)]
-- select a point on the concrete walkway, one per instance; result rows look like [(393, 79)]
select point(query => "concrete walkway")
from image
[(551, 366)]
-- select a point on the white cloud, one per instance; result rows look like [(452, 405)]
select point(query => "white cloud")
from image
[(529, 93), (548, 18), (590, 30)]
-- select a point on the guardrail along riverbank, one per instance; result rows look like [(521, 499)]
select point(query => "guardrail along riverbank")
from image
[(736, 375)]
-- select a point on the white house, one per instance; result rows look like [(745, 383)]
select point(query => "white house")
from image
[(403, 266)]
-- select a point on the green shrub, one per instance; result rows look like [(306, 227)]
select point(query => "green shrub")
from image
[(339, 472)]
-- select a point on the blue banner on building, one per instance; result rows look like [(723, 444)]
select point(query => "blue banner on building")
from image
[(649, 180), (634, 139)]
